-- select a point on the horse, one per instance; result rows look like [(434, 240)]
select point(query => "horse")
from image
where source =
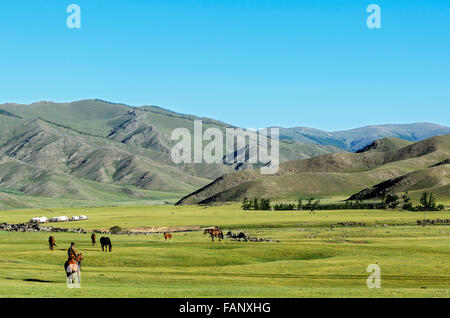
[(71, 267), (93, 239), (106, 243), (51, 242), (214, 231), (167, 236)]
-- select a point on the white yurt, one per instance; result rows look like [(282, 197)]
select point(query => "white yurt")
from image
[(75, 218), (83, 217), (34, 220), (43, 219), (59, 219)]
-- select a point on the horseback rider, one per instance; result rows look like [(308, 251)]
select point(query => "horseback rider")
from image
[(72, 254)]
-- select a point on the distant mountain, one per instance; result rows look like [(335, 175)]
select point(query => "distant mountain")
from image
[(356, 139), (92, 150), (390, 168), (101, 152)]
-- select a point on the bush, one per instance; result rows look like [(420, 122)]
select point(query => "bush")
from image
[(246, 204), (283, 206), (265, 205), (427, 202), (115, 229)]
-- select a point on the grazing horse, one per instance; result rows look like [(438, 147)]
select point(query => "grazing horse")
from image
[(106, 243), (93, 239), (71, 267), (51, 242), (214, 231), (167, 236)]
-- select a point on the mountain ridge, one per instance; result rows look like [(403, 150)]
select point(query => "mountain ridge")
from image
[(66, 150), (327, 175)]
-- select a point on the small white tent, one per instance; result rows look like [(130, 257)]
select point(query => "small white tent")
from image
[(59, 219), (43, 219), (75, 218), (83, 217)]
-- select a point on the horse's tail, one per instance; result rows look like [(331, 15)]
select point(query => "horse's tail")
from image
[(66, 265)]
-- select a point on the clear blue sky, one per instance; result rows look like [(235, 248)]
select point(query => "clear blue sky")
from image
[(250, 63)]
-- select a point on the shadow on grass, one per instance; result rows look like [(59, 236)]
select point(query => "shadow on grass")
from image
[(34, 280)]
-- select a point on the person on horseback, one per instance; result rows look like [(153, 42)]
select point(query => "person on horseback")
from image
[(73, 255), (72, 267)]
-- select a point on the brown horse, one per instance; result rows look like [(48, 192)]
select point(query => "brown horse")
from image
[(51, 242), (93, 239), (167, 236), (214, 232), (73, 266)]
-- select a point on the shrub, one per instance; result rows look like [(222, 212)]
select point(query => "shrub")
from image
[(255, 204), (115, 229), (265, 205), (427, 202), (246, 204), (283, 206)]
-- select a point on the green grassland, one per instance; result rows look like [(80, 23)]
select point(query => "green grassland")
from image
[(311, 260)]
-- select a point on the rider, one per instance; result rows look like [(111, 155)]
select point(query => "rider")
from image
[(72, 253)]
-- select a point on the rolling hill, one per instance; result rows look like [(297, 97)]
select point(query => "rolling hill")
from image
[(97, 151), (384, 163)]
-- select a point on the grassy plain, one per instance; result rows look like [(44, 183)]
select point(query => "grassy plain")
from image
[(311, 260)]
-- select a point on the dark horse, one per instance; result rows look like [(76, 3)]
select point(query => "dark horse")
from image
[(93, 239), (51, 242), (106, 243), (214, 231)]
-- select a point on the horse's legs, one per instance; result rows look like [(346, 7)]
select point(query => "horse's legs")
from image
[(69, 273), (78, 278), (69, 281)]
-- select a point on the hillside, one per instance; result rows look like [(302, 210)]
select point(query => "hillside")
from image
[(334, 174), (93, 150), (96, 151), (436, 178), (386, 144)]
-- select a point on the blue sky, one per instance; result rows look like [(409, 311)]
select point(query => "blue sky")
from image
[(250, 63)]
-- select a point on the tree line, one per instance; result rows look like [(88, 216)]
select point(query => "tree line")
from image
[(427, 202)]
